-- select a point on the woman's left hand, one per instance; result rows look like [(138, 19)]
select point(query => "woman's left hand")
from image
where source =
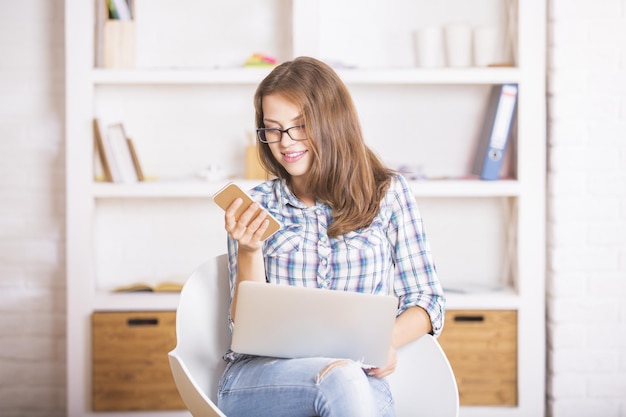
[(392, 362)]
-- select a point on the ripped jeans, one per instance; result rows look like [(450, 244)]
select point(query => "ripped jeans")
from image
[(258, 386)]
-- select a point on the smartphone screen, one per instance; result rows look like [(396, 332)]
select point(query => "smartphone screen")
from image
[(231, 191)]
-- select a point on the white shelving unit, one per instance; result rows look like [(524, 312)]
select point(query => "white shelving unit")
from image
[(472, 224), (201, 189)]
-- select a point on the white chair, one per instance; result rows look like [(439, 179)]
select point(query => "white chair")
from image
[(423, 384)]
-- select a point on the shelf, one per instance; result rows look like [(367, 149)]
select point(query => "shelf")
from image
[(465, 188), (350, 76), (138, 301), (431, 76), (165, 189), (156, 189), (202, 189), (491, 411), (107, 301), (166, 77), (488, 300), (151, 413)]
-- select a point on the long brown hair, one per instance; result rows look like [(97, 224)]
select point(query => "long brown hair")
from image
[(345, 172)]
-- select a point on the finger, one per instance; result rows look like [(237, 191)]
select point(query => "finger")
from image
[(261, 230), (230, 219), (381, 372), (248, 215), (238, 222), (257, 221), (232, 209), (376, 372), (254, 231)]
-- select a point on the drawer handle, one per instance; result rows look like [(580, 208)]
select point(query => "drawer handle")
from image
[(143, 322), (477, 318)]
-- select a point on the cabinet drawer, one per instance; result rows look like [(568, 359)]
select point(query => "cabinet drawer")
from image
[(130, 365), (482, 348)]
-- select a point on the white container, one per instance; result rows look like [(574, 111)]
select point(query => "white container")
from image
[(487, 46), (429, 47), (458, 41)]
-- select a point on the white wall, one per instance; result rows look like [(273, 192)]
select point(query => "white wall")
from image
[(32, 206), (587, 209)]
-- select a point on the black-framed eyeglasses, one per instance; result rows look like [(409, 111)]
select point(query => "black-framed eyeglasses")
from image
[(274, 134)]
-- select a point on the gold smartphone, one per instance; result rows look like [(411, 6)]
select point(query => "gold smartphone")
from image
[(231, 191)]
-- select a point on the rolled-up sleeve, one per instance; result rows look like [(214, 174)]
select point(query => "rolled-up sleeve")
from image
[(416, 282)]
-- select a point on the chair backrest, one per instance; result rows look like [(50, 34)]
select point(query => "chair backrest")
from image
[(202, 336), (423, 383)]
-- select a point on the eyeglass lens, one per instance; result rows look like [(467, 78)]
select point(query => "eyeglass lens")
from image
[(271, 135)]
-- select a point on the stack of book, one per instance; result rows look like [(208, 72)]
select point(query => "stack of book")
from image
[(117, 154), (115, 34)]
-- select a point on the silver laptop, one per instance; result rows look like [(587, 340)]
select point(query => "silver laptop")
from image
[(294, 322)]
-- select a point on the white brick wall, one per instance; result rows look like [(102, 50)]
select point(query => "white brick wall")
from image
[(32, 206), (587, 208)]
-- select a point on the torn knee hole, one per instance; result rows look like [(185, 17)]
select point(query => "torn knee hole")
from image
[(331, 365)]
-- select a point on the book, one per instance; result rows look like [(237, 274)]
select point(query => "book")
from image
[(168, 286), (121, 153), (101, 15), (496, 131), (119, 10), (136, 162), (114, 34), (112, 10), (103, 151)]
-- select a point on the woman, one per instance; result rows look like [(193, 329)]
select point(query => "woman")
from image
[(348, 223)]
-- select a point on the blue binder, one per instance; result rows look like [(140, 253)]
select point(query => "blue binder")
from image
[(496, 131)]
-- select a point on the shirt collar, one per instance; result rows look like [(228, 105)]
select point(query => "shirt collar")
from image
[(289, 198)]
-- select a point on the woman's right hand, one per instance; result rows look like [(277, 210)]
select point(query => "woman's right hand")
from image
[(249, 227), (247, 231)]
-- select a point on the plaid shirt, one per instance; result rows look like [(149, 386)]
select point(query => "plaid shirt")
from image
[(391, 254)]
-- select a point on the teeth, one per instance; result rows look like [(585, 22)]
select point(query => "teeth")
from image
[(294, 154)]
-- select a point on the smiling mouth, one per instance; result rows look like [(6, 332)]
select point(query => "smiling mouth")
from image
[(293, 154), (292, 157)]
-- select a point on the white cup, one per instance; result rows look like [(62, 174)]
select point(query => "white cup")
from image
[(429, 47), (458, 44), (487, 46)]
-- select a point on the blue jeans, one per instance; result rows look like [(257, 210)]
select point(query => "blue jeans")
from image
[(258, 386)]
